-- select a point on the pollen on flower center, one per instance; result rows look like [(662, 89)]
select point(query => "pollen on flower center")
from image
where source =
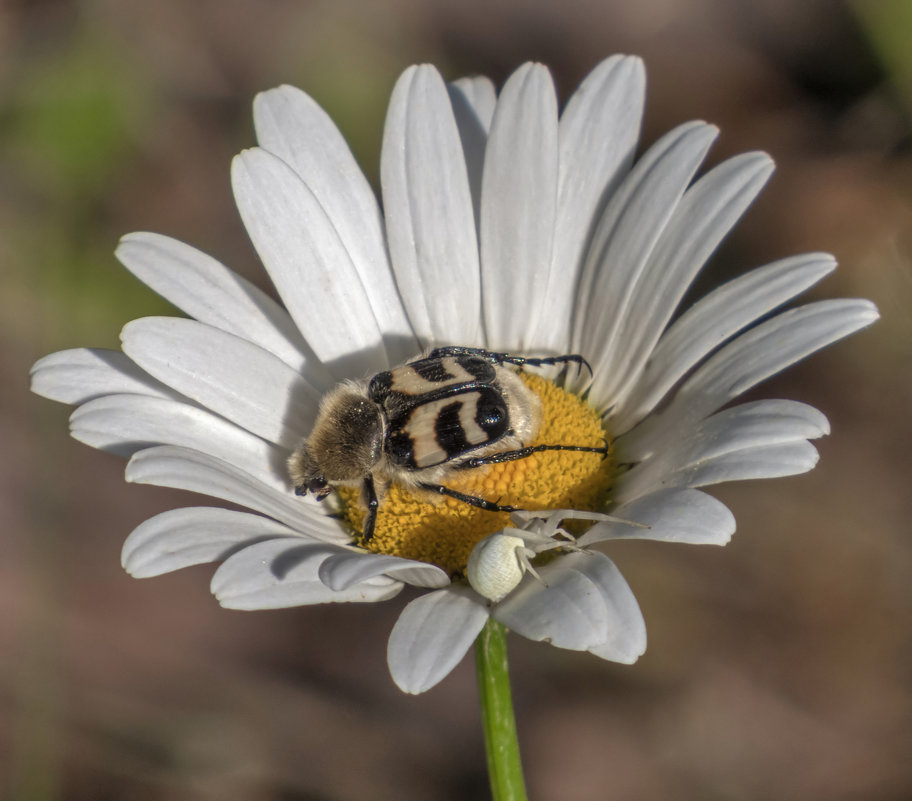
[(414, 524)]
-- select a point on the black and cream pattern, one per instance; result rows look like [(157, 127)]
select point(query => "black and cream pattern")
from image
[(456, 408), (440, 408)]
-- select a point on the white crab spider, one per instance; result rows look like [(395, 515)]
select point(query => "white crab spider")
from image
[(498, 562)]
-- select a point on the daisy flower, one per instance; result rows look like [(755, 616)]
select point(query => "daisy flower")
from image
[(505, 227)]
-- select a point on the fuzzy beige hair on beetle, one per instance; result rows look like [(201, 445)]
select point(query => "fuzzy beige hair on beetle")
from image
[(346, 443)]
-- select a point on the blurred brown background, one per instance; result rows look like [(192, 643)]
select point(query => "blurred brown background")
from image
[(778, 667)]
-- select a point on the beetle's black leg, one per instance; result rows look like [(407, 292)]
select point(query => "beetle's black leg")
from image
[(497, 458), (460, 350), (575, 358), (522, 453), (501, 358), (370, 500), (472, 500)]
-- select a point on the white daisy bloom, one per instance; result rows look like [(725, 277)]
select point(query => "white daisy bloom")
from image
[(504, 226)]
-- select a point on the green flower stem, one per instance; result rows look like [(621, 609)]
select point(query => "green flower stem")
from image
[(504, 766)]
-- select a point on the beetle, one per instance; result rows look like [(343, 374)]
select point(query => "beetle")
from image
[(456, 408)]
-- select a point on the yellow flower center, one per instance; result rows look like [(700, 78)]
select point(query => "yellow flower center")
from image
[(416, 524)]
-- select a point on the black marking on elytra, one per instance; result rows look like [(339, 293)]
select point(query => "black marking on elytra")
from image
[(480, 369), (433, 370), (400, 449), (380, 386), (491, 414), (448, 429)]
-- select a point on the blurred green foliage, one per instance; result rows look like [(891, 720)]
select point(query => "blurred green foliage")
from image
[(71, 124), (73, 116), (888, 24)]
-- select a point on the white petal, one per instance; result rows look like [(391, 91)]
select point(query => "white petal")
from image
[(625, 649), (598, 132), (81, 374), (477, 94), (124, 424), (518, 208), (283, 573), (307, 260), (473, 101), (712, 320), (673, 515), (754, 356), (772, 461), (626, 234), (211, 293), (727, 437), (194, 536), (587, 604), (294, 127), (226, 374), (181, 468), (704, 216), (342, 570), (432, 636), (429, 219)]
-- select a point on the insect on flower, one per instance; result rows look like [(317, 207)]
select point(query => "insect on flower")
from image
[(457, 408), (211, 404)]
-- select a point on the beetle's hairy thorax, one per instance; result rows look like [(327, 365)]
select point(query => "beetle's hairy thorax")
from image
[(346, 443)]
